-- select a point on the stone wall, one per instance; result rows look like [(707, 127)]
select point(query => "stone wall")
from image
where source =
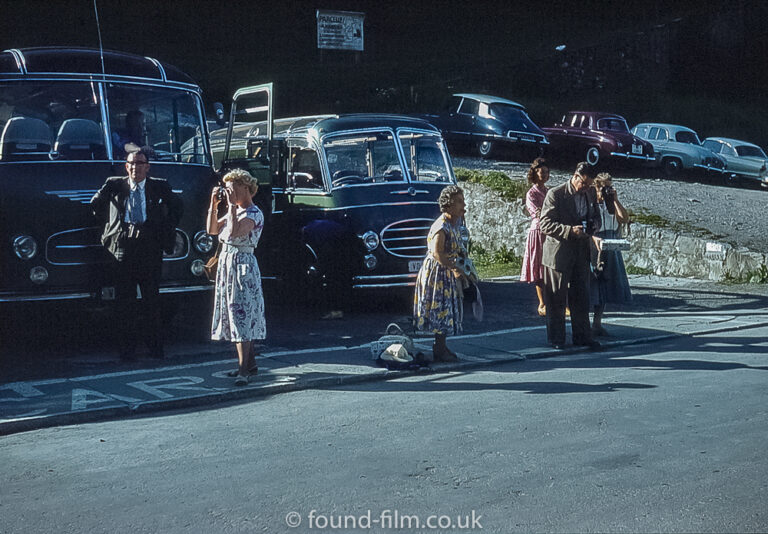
[(495, 223)]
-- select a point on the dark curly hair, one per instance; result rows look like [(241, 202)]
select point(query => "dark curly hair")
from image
[(537, 164), (447, 196)]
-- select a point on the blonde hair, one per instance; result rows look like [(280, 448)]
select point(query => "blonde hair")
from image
[(243, 177), (602, 179)]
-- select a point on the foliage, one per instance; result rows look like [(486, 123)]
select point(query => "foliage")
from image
[(634, 269), (758, 276), (510, 188), (501, 262)]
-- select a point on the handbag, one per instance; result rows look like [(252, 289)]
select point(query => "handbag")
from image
[(394, 336), (211, 267)]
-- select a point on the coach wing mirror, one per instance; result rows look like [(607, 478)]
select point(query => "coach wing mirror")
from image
[(218, 109)]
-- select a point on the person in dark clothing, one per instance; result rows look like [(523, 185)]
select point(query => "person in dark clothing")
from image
[(140, 215), (568, 219)]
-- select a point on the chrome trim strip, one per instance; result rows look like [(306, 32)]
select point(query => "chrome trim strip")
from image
[(709, 168), (87, 77), (375, 286), (633, 156), (385, 277), (105, 124), (390, 249), (36, 298), (102, 161), (69, 247), (410, 238), (187, 289), (413, 192), (159, 68), (21, 61)]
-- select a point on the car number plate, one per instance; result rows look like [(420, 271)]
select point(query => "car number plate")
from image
[(637, 149), (414, 266)]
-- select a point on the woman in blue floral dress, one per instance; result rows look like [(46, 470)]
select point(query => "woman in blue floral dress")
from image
[(238, 310), (438, 300)]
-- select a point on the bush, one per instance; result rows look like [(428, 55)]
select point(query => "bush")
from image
[(510, 188)]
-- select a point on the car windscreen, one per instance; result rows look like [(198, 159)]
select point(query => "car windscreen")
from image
[(513, 117), (425, 156), (41, 121), (613, 124), (362, 158), (746, 151), (687, 137)]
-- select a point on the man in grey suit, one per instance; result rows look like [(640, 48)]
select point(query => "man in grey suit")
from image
[(568, 218)]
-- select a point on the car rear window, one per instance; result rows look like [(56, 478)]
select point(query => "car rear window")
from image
[(615, 125), (746, 151), (687, 137)]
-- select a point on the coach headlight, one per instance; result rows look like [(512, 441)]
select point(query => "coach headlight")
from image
[(370, 240), (25, 247), (203, 242)]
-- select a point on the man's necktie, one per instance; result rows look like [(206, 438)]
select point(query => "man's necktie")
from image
[(136, 202)]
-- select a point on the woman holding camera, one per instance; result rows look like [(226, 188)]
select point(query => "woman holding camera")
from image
[(538, 175), (238, 311), (438, 299), (609, 283)]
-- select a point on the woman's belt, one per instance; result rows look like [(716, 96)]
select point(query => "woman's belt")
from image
[(226, 247)]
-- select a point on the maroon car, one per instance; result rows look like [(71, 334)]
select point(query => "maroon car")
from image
[(596, 138)]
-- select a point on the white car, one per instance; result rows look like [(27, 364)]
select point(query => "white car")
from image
[(744, 160), (678, 148)]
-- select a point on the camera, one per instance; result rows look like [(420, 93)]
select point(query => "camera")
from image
[(221, 194), (609, 196)]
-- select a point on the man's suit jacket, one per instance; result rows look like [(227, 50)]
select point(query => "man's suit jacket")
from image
[(561, 248), (163, 211)]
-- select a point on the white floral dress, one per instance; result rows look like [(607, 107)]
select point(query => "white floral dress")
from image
[(238, 307)]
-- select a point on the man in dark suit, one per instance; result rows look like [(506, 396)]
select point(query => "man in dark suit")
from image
[(140, 215), (568, 218)]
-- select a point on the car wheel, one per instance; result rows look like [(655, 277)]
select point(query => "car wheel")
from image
[(484, 148), (672, 167), (730, 179), (593, 155)]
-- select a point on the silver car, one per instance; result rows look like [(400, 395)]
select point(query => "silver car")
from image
[(744, 160), (678, 148)]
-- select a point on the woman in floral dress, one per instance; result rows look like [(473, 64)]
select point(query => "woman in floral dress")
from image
[(238, 310), (538, 175), (438, 302)]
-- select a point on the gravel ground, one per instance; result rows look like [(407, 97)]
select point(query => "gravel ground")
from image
[(735, 215)]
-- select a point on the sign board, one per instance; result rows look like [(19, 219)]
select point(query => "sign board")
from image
[(340, 30)]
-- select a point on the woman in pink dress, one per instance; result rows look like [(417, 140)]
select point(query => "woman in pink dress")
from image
[(538, 175)]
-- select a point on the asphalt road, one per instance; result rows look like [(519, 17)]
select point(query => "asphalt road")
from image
[(663, 438)]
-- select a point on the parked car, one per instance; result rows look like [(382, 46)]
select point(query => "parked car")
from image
[(743, 160), (678, 149), (596, 138), (489, 125), (347, 197)]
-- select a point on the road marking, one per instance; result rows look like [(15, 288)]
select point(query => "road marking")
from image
[(81, 398), (157, 386)]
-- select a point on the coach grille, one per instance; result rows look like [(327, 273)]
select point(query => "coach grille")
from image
[(407, 238)]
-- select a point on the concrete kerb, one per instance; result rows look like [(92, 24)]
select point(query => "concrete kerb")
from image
[(265, 390)]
